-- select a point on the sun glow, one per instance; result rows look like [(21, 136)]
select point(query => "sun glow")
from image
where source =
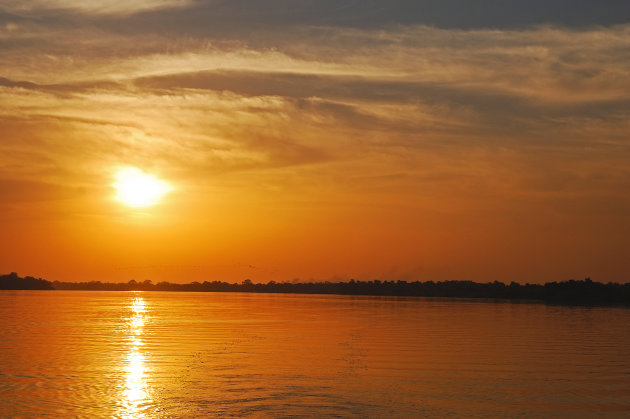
[(138, 189)]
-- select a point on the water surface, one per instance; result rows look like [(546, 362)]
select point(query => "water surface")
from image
[(152, 354)]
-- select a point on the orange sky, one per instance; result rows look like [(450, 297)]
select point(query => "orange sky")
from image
[(313, 150)]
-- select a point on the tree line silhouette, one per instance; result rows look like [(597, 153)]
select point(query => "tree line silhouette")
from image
[(13, 281), (572, 291)]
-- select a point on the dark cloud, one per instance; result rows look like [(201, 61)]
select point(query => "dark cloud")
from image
[(227, 18), (22, 84), (246, 20)]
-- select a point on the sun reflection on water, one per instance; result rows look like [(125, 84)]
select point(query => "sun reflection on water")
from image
[(136, 395)]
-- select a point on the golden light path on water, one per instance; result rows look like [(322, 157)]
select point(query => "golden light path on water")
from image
[(135, 391)]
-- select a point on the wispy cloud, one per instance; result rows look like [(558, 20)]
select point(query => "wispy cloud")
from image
[(106, 7), (417, 88)]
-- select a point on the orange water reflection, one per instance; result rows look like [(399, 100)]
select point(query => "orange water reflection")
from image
[(195, 355), (136, 395)]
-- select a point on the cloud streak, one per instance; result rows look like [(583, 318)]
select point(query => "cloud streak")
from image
[(96, 7)]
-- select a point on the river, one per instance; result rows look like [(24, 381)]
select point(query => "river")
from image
[(168, 354)]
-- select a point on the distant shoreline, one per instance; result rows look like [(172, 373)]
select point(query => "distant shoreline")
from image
[(585, 292)]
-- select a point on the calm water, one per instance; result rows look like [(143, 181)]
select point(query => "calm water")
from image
[(144, 354)]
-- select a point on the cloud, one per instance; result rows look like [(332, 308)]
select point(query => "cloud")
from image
[(106, 7), (563, 65), (248, 18), (23, 84), (415, 99)]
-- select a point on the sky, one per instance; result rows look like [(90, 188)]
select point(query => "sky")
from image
[(317, 140)]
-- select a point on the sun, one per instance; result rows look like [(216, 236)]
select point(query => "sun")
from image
[(138, 189)]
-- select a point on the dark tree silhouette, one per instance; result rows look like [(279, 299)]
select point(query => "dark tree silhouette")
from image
[(571, 292), (567, 292), (13, 281)]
